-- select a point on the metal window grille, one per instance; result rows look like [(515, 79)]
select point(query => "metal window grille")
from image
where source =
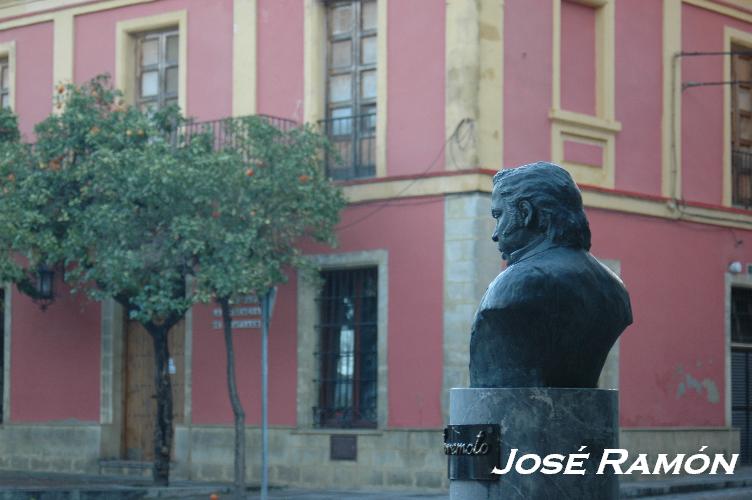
[(157, 56), (741, 369), (350, 120), (4, 83), (347, 355), (741, 315), (741, 178)]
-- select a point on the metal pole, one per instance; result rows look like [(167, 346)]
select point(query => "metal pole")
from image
[(267, 304)]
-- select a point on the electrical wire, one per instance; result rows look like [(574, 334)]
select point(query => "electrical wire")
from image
[(453, 138)]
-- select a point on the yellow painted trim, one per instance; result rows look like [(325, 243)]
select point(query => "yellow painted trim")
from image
[(63, 43), (314, 72), (71, 9), (491, 84), (605, 75), (605, 51), (23, 7), (721, 9), (603, 176), (314, 61), (556, 57), (741, 4), (426, 186), (382, 94), (602, 127), (671, 116), (244, 18), (8, 49), (462, 75), (585, 121), (400, 188), (730, 36), (125, 64)]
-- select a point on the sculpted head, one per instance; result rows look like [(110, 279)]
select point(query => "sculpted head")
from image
[(539, 201)]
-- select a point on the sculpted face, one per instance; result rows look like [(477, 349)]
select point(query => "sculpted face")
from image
[(512, 230)]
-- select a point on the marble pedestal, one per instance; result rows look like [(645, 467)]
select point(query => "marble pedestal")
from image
[(543, 421)]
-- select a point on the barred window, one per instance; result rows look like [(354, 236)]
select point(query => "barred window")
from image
[(741, 369), (741, 315), (157, 71), (351, 87), (741, 127), (4, 83), (347, 353)]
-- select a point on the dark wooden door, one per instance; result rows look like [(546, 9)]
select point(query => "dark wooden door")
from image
[(140, 395)]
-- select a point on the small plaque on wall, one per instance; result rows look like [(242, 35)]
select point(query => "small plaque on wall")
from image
[(472, 451), (343, 447)]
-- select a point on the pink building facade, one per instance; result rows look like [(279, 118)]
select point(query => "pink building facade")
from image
[(426, 100)]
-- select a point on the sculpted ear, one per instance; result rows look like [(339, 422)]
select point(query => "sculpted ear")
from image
[(526, 212)]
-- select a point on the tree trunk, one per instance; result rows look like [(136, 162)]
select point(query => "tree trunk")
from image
[(237, 407), (163, 429)]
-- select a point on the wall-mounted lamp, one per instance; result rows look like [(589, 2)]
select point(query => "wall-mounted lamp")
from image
[(45, 292), (735, 267)]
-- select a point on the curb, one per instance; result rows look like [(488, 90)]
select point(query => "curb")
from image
[(682, 486)]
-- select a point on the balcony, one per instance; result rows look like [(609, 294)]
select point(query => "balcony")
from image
[(741, 178), (353, 140), (227, 132)]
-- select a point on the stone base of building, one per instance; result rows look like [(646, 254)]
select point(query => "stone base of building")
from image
[(390, 458), (676, 440), (56, 447)]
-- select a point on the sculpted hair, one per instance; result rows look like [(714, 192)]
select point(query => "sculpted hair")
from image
[(555, 197)]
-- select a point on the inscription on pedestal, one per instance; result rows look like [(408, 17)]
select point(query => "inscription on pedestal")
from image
[(472, 451)]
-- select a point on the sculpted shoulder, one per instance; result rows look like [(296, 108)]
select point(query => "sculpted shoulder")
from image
[(561, 273), (521, 283)]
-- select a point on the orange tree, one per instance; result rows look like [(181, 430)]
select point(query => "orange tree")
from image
[(128, 208), (277, 199)]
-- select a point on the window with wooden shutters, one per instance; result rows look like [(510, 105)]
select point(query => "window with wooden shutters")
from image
[(351, 87), (4, 83), (157, 56), (741, 127), (347, 353)]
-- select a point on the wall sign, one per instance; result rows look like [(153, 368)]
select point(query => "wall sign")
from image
[(472, 451), (245, 312)]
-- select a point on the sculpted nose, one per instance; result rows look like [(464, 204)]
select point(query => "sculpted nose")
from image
[(495, 234)]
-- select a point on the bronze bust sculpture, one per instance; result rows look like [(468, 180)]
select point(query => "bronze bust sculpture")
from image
[(550, 318)]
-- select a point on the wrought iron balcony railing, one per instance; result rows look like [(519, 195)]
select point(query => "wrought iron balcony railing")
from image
[(353, 139), (227, 132), (741, 178)]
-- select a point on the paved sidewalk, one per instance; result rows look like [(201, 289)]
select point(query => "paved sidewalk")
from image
[(54, 486), (742, 478)]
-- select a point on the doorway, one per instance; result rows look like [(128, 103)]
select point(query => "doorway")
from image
[(741, 369), (139, 395)]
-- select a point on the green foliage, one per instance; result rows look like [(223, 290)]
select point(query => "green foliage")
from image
[(129, 206), (8, 126), (280, 197)]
